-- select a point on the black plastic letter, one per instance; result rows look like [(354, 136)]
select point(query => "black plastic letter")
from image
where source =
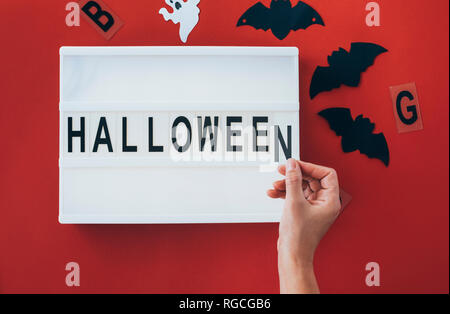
[(185, 121), (125, 147), (207, 127), (287, 149), (233, 133), (73, 134), (151, 147), (257, 133), (99, 140)]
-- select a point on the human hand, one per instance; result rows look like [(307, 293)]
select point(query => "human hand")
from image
[(311, 207)]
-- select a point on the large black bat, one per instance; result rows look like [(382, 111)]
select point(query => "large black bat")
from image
[(345, 67), (281, 17), (357, 134)]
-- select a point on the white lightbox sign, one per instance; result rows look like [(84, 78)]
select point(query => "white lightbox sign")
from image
[(175, 134)]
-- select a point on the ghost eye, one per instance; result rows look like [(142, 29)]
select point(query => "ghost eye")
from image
[(244, 21), (313, 19)]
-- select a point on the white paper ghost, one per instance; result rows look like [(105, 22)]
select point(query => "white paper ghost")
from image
[(184, 12)]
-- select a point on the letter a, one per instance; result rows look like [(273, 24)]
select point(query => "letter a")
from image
[(73, 17), (73, 278), (373, 17), (373, 277)]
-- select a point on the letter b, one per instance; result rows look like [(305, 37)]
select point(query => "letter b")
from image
[(99, 13)]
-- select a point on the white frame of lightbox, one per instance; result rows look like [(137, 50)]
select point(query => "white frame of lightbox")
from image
[(71, 106)]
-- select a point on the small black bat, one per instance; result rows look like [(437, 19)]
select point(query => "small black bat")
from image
[(345, 67), (357, 134), (281, 17)]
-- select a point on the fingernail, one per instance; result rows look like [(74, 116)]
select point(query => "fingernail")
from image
[(291, 164)]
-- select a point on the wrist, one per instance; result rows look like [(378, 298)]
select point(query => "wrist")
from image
[(297, 276), (288, 263)]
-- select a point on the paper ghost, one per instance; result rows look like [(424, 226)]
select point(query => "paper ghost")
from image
[(184, 12)]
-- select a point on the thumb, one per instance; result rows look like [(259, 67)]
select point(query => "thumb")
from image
[(294, 180)]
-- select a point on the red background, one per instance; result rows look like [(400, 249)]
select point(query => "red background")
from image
[(399, 216)]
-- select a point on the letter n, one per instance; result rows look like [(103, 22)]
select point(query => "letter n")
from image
[(285, 145)]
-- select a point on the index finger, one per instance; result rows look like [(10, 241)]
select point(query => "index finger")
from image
[(327, 176)]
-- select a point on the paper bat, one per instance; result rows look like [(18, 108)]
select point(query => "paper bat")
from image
[(344, 67), (281, 17), (357, 134)]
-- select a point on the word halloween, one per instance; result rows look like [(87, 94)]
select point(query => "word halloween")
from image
[(183, 132)]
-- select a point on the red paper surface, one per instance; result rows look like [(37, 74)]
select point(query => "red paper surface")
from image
[(345, 199), (399, 216)]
